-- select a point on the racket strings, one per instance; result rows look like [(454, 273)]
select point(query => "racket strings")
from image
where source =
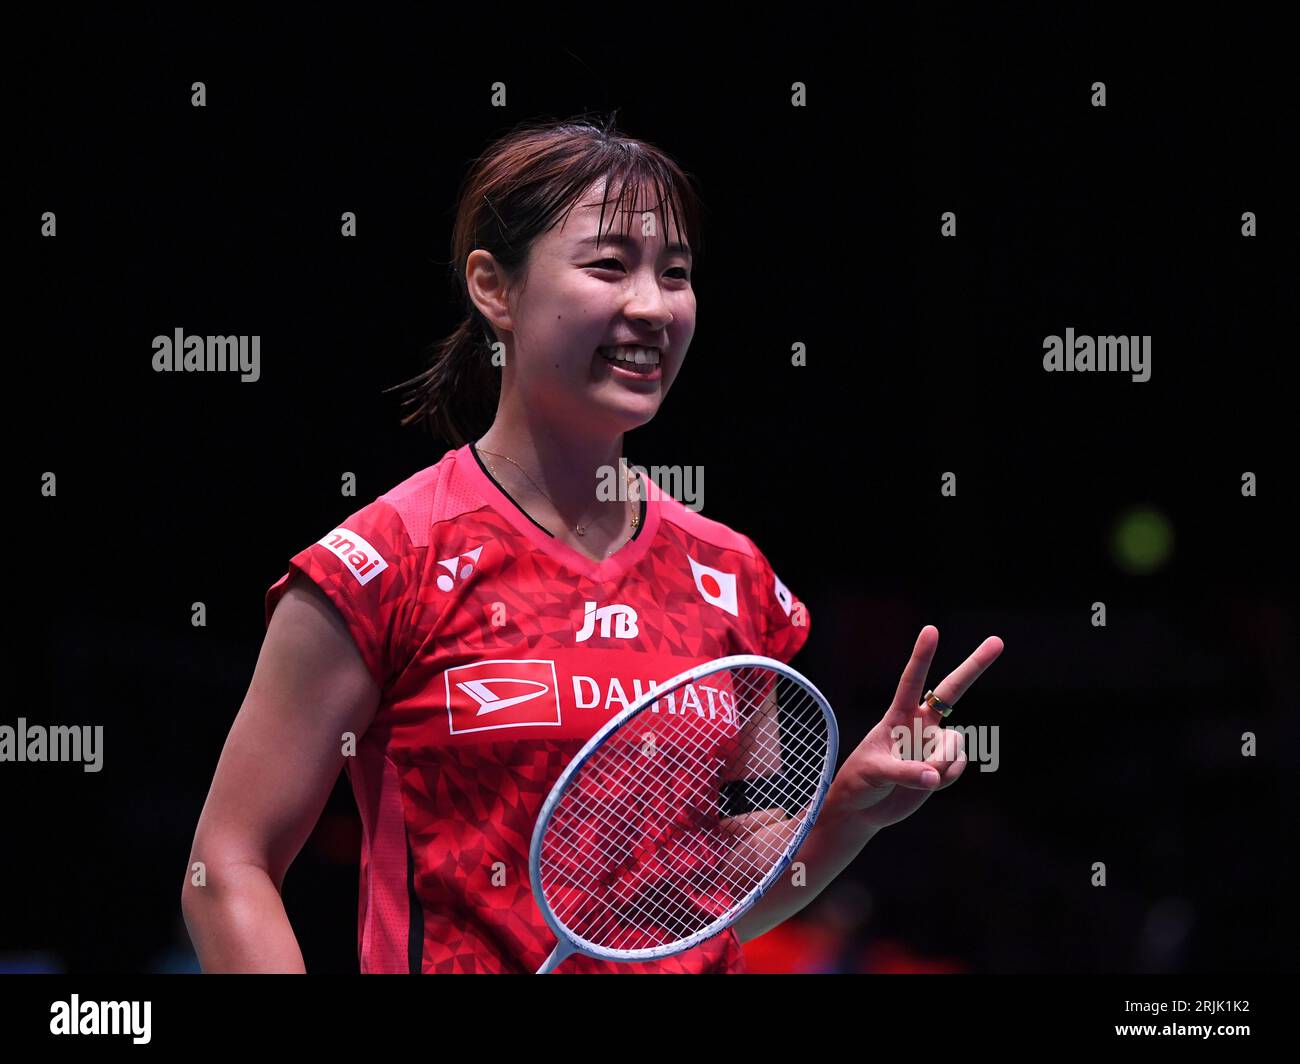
[(766, 792), (601, 766), (654, 915), (638, 851), (619, 819)]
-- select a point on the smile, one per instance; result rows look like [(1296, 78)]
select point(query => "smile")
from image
[(638, 356), (629, 363)]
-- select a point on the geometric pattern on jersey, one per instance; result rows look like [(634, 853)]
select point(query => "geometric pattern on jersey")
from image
[(498, 651)]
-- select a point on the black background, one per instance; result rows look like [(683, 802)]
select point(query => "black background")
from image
[(1118, 744)]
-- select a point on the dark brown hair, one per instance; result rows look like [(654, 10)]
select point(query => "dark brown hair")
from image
[(515, 191)]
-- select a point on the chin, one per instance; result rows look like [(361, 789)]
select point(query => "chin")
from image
[(632, 412)]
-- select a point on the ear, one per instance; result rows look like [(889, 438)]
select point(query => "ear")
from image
[(486, 283)]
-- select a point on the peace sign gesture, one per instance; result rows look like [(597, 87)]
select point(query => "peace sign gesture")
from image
[(884, 780)]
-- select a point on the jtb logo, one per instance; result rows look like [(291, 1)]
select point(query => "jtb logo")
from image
[(621, 618)]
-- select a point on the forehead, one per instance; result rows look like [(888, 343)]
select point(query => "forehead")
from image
[(584, 220)]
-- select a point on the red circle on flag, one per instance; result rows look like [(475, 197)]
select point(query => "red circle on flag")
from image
[(710, 585)]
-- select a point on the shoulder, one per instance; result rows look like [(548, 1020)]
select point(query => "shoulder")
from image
[(725, 545), (373, 562), (439, 493), (382, 543), (407, 512), (781, 617), (695, 526)]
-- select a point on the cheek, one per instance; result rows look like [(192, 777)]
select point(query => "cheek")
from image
[(565, 341), (578, 320), (684, 321)]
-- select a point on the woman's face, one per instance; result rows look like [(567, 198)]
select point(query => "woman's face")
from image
[(576, 300)]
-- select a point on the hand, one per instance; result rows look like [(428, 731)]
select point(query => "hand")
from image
[(876, 787)]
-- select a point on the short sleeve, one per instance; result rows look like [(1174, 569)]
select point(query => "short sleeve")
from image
[(367, 568), (784, 619)]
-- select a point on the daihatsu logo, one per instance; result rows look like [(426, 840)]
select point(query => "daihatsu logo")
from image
[(502, 693), (491, 701)]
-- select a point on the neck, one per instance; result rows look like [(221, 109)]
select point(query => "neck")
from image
[(563, 463)]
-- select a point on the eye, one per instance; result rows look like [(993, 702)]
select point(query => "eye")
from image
[(611, 263)]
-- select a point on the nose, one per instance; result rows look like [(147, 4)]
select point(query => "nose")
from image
[(648, 306)]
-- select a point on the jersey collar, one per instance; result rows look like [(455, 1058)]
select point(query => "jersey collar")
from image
[(616, 565)]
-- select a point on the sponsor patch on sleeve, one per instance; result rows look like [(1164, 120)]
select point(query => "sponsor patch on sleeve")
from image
[(362, 560)]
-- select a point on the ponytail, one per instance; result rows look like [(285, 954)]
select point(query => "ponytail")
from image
[(456, 397)]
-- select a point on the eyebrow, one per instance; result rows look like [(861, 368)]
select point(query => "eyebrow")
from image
[(627, 243)]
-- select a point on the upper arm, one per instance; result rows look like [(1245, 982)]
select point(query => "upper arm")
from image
[(284, 751)]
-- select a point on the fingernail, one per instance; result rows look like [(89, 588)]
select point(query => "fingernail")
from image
[(930, 778)]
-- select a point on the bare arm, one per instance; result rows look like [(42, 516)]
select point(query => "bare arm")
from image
[(275, 774)]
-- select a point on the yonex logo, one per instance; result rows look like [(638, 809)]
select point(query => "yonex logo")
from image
[(460, 568), (362, 560), (616, 622)]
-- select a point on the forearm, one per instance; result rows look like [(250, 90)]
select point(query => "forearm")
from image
[(834, 841), (238, 923)]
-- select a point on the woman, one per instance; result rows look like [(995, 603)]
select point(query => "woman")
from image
[(454, 642)]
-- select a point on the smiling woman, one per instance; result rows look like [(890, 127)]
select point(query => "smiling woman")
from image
[(468, 631)]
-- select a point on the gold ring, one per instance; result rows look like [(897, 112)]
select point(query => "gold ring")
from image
[(934, 702)]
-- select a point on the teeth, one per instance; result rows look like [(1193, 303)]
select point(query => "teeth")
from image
[(637, 355)]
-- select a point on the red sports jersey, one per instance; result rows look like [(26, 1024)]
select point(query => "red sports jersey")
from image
[(499, 651)]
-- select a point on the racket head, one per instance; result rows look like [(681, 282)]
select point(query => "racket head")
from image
[(816, 769)]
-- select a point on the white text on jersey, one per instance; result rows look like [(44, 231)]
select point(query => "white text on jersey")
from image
[(621, 618)]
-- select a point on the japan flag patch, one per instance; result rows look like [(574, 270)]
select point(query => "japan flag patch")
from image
[(716, 586), (783, 595)]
